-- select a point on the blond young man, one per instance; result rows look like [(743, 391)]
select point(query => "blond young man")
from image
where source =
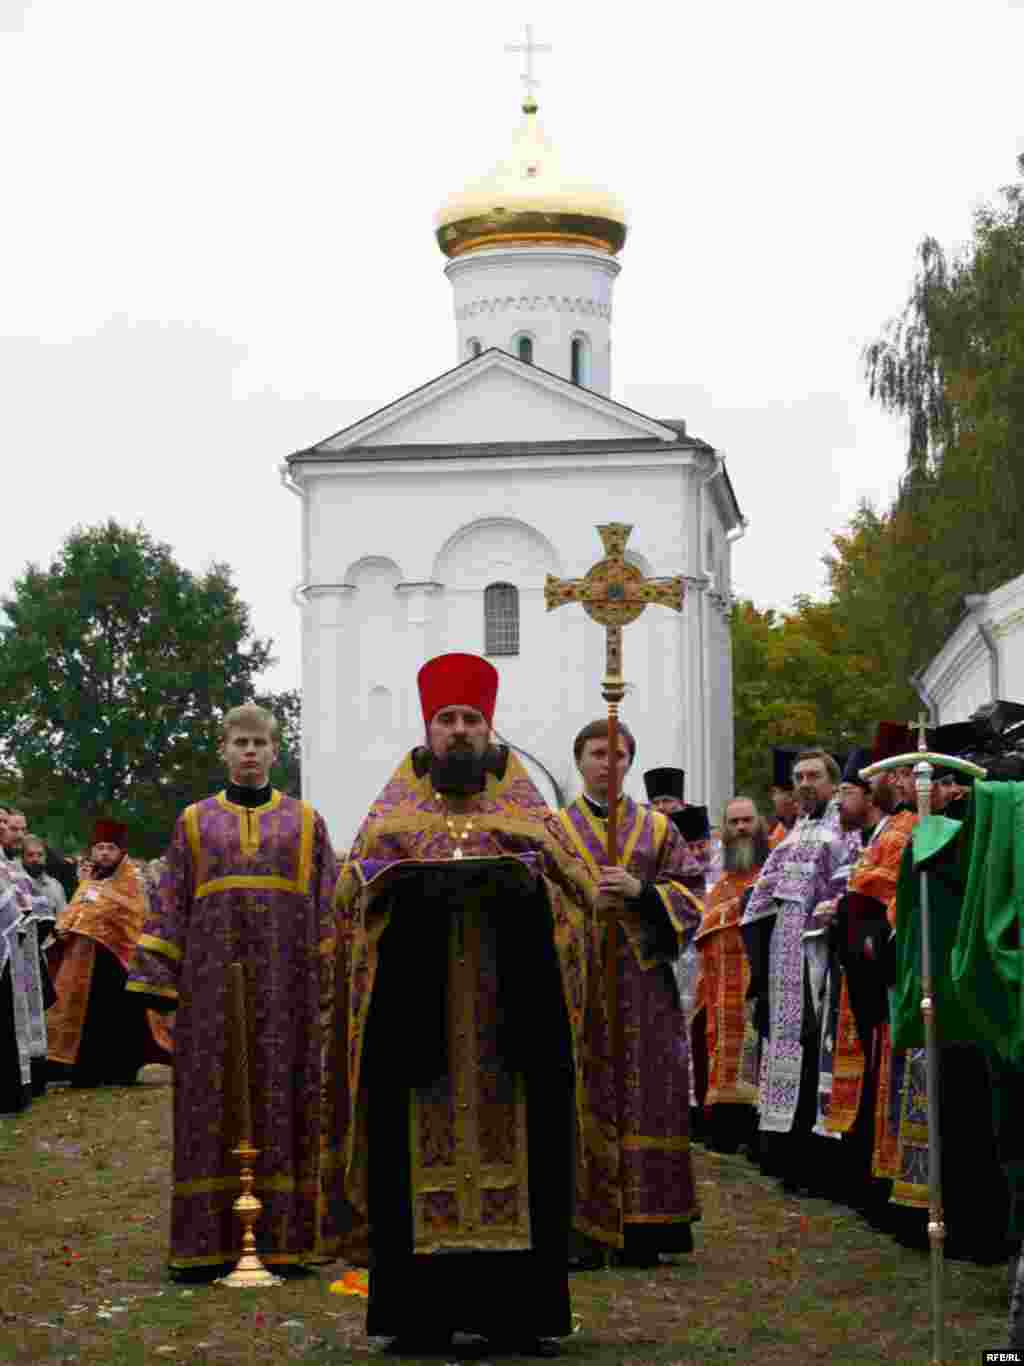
[(250, 878)]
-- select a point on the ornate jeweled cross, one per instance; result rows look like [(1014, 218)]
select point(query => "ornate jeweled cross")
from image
[(529, 48), (614, 593)]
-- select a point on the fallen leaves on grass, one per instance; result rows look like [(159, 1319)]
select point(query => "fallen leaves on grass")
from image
[(352, 1283)]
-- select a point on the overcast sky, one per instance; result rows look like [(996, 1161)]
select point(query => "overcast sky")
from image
[(217, 240)]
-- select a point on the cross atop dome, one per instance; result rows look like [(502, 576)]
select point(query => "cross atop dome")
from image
[(528, 78)]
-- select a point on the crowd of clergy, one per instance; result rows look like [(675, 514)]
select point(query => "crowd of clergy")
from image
[(476, 1032)]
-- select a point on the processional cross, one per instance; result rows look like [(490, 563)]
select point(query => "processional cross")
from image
[(528, 48), (614, 593)]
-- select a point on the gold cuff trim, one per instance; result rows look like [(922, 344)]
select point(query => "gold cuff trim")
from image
[(161, 946), (638, 1143)]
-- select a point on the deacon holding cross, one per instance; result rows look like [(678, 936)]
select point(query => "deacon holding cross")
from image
[(470, 947), (648, 914)]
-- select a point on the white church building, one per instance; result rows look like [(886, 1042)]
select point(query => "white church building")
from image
[(981, 660), (430, 525)]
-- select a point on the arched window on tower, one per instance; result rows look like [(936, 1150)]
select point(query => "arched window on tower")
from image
[(501, 619), (579, 357), (474, 347), (523, 346)]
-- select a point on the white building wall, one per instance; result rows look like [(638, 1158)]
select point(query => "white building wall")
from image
[(963, 675), (549, 293), (413, 551)]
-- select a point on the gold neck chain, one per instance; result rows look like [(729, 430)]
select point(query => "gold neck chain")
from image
[(458, 836)]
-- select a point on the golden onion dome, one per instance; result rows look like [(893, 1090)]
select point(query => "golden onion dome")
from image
[(526, 200)]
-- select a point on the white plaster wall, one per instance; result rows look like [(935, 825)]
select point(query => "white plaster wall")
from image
[(419, 547), (465, 413), (1011, 647), (549, 292), (959, 677), (959, 697)]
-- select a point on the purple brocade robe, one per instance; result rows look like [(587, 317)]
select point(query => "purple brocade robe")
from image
[(253, 885), (811, 865), (473, 1053), (406, 825), (651, 1052)]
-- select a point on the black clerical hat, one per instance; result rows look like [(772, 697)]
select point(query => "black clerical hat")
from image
[(665, 782), (692, 823), (955, 738), (783, 759), (996, 717), (857, 759)]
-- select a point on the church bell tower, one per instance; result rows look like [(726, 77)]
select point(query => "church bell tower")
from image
[(532, 257)]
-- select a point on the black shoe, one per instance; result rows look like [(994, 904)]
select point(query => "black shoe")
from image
[(595, 1262)]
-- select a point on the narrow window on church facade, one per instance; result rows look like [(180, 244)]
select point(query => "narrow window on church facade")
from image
[(501, 619), (524, 348), (579, 354), (475, 346)]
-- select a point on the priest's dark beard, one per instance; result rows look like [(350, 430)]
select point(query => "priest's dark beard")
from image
[(100, 871), (459, 774), (745, 852)]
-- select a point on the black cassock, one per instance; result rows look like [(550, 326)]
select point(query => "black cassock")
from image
[(523, 1041)]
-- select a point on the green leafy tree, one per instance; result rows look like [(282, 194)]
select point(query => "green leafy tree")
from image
[(952, 364), (117, 665), (287, 708)]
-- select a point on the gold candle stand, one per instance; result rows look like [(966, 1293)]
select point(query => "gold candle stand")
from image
[(249, 1273)]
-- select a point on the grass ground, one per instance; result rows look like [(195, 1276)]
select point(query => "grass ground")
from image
[(84, 1190)]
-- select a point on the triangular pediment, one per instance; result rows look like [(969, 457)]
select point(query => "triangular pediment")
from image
[(496, 397)]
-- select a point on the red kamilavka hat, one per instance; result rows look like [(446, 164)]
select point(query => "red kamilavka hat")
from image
[(457, 681), (110, 832)]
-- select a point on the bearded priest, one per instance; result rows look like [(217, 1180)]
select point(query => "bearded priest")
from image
[(95, 1033), (732, 1039), (250, 878), (648, 916), (468, 952)]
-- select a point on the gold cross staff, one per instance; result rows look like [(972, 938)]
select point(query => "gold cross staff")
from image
[(614, 593)]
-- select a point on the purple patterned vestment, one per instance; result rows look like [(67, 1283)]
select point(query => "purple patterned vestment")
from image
[(475, 1053), (253, 885), (651, 1052), (810, 866)]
